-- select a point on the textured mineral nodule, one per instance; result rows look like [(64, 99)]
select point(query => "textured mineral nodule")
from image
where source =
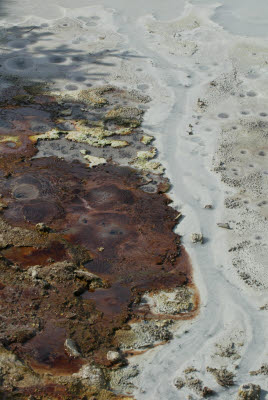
[(63, 288), (249, 391)]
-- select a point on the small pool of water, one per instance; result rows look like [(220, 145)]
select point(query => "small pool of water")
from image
[(52, 9), (241, 17)]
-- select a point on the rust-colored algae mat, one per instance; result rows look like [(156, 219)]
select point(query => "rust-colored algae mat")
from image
[(89, 258)]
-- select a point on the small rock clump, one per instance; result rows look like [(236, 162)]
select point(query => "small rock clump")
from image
[(179, 383), (192, 382), (223, 376), (174, 302), (229, 350), (41, 227), (114, 357), (249, 391), (263, 370), (91, 375), (71, 348), (122, 379), (208, 206), (223, 225), (197, 238), (145, 334)]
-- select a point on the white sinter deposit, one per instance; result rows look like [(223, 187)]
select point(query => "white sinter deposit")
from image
[(205, 66)]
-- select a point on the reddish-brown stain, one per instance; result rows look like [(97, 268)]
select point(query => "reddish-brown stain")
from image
[(110, 301), (48, 392), (101, 208), (29, 256), (18, 124), (46, 352), (96, 220), (102, 211)]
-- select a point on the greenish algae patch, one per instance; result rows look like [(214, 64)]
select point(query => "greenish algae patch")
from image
[(93, 161), (101, 133), (23, 98), (54, 134), (144, 163), (94, 97), (146, 155), (95, 141), (13, 139), (36, 88), (147, 139), (127, 116)]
